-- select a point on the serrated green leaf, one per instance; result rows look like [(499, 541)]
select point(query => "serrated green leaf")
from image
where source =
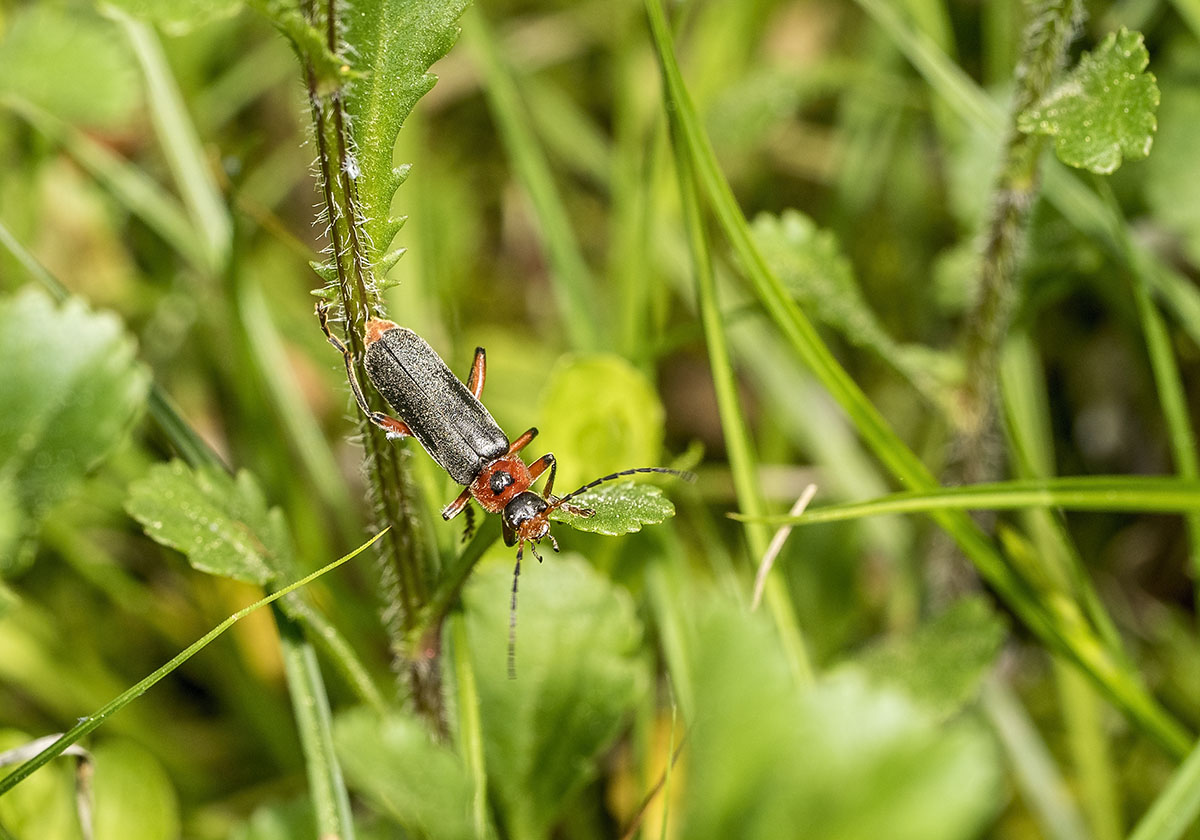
[(812, 266), (769, 759), (331, 69), (620, 508), (393, 43), (68, 62), (942, 664), (177, 16), (578, 677), (599, 415), (220, 522), (70, 389), (810, 263), (133, 794), (395, 762), (1103, 109)]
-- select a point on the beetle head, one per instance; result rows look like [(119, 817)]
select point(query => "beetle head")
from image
[(525, 518)]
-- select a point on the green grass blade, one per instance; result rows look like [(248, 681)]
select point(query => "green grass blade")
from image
[(1027, 415), (93, 721), (571, 278), (1168, 381), (1129, 494), (1176, 808), (314, 723), (1059, 623), (180, 144), (742, 459), (128, 184), (470, 725)]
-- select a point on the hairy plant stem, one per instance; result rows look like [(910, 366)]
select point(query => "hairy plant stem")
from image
[(401, 554), (1043, 50)]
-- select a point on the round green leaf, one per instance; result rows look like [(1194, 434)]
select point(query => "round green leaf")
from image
[(578, 677), (768, 758), (422, 784), (601, 415), (1103, 109), (44, 804), (133, 795), (70, 388), (69, 62)]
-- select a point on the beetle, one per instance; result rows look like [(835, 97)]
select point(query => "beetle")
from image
[(459, 434)]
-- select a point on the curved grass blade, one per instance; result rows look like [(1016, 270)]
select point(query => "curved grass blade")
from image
[(1098, 493), (93, 721)]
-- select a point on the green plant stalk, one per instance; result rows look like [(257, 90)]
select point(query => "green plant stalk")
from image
[(1176, 807), (308, 445), (1043, 50), (93, 721), (742, 461), (130, 185), (321, 632), (571, 279), (1081, 207), (470, 725), (1042, 787), (314, 722), (1167, 380), (1023, 390), (1057, 622), (180, 144), (402, 563), (630, 201), (1173, 398)]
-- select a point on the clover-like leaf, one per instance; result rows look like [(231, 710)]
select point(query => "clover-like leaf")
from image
[(600, 414), (1103, 110), (578, 676), (133, 794), (620, 508), (70, 388), (220, 522), (396, 763), (769, 758)]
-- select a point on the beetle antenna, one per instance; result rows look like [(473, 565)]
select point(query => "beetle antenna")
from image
[(512, 617), (686, 476)]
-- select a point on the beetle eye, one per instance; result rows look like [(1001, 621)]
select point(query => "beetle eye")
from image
[(500, 481)]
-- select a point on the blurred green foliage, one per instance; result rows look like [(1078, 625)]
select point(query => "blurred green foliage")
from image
[(160, 168)]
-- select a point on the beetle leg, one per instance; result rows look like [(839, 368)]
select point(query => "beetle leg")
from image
[(539, 466), (478, 369), (523, 441), (394, 428), (456, 507), (470, 529)]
